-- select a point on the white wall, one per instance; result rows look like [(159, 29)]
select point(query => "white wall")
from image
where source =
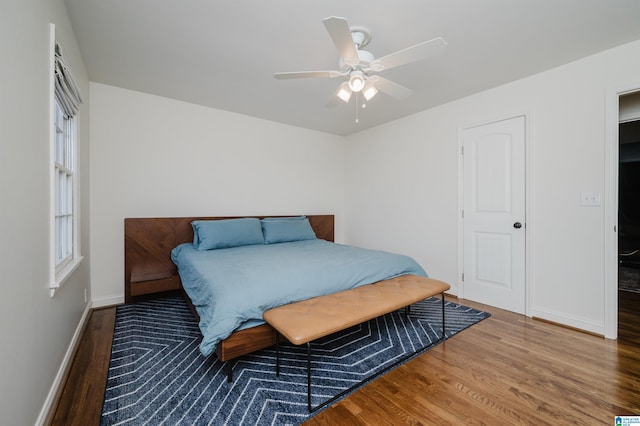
[(154, 157), (402, 181), (35, 329)]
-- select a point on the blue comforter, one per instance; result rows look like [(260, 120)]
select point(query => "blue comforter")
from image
[(231, 288)]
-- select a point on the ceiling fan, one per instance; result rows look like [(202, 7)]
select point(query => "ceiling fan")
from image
[(360, 66)]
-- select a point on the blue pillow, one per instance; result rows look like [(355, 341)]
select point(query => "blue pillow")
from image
[(283, 229), (225, 233)]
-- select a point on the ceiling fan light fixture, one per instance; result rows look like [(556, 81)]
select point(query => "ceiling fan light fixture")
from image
[(344, 93), (356, 81), (369, 92)]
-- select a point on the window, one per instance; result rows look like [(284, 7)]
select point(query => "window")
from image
[(64, 177), (64, 203)]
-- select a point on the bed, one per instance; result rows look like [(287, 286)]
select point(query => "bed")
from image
[(153, 245)]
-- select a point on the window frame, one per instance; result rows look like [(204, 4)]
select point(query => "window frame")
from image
[(64, 166), (64, 205)]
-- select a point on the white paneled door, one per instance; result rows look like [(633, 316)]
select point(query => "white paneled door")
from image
[(494, 214)]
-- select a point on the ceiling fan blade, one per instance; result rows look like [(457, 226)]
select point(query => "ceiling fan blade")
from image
[(390, 88), (415, 53), (340, 33), (306, 74)]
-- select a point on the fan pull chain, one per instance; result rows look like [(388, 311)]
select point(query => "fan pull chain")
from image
[(356, 104)]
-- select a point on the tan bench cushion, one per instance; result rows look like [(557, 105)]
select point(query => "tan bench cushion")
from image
[(311, 319)]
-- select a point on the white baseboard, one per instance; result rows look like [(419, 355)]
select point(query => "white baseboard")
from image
[(64, 368), (101, 302), (581, 323)]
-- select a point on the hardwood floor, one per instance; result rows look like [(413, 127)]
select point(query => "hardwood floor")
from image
[(83, 394), (506, 370)]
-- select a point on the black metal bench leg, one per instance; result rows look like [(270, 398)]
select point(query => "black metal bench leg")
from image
[(309, 377), (277, 354), (407, 311), (442, 296)]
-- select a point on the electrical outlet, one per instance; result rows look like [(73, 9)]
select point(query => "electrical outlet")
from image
[(590, 199)]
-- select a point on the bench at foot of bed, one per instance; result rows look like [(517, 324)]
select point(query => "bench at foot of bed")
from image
[(308, 320)]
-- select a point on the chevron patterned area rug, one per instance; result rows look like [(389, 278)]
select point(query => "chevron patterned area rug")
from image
[(158, 376)]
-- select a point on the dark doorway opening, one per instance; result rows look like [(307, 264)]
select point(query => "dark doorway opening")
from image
[(629, 232)]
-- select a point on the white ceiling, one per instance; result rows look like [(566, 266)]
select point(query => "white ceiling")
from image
[(223, 54)]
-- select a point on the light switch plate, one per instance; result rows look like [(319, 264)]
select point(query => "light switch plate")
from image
[(590, 199)]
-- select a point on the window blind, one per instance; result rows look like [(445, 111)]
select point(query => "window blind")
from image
[(66, 89)]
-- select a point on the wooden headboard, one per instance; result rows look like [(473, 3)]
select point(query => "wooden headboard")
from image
[(148, 242)]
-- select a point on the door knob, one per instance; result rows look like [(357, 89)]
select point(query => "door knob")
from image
[(517, 225)]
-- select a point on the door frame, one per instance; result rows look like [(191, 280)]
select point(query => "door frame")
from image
[(528, 220), (611, 207)]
